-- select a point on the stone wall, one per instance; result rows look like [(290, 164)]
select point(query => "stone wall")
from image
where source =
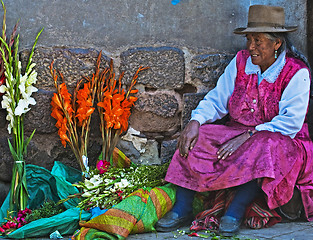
[(186, 48)]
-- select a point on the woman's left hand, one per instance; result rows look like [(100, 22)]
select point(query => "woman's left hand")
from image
[(232, 145)]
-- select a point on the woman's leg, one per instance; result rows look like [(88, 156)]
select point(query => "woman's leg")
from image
[(184, 199), (181, 213), (245, 194)]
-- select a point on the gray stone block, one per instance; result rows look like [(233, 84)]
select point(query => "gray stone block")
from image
[(6, 159), (160, 103), (4, 190), (168, 149), (166, 66), (129, 150), (150, 122), (207, 68), (3, 114), (190, 101), (73, 63), (39, 117), (151, 155), (44, 149)]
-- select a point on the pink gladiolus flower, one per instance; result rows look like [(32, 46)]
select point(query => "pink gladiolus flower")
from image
[(102, 166)]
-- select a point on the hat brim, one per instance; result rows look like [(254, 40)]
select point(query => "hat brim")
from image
[(265, 29)]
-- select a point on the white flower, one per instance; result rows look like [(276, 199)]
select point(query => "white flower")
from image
[(22, 106), (10, 118), (93, 182), (3, 88), (26, 86), (86, 194), (122, 184)]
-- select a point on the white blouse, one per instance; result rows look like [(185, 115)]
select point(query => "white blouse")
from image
[(292, 106)]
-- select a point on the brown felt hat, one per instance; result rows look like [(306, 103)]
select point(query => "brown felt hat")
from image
[(263, 18)]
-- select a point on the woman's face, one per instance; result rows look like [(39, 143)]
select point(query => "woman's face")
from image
[(262, 49)]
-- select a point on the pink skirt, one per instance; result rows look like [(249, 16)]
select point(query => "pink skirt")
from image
[(281, 163)]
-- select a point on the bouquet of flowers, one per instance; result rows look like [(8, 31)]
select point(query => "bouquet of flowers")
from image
[(111, 187), (14, 223), (16, 100), (73, 115), (114, 106)]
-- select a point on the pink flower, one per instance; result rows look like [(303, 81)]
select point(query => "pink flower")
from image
[(193, 234), (102, 166)]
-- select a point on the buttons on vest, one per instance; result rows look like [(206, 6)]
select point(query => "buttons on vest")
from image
[(254, 101), (252, 110)]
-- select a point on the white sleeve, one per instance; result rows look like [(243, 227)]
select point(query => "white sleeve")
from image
[(292, 106), (215, 103)]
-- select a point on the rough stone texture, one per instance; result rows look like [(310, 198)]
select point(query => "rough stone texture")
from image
[(6, 160), (151, 155), (3, 114), (39, 117), (149, 122), (166, 66), (168, 149), (191, 101), (208, 68), (47, 148), (73, 63), (163, 104), (129, 150), (4, 190)]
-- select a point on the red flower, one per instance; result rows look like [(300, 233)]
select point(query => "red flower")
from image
[(102, 166), (119, 194)]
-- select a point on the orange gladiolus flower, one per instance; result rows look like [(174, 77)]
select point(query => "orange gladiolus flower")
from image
[(84, 101)]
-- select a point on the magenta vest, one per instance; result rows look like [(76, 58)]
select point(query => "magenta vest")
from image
[(251, 104)]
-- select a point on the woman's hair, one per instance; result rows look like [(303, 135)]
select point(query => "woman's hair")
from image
[(287, 45)]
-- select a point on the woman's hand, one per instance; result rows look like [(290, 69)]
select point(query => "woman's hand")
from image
[(188, 138), (232, 145)]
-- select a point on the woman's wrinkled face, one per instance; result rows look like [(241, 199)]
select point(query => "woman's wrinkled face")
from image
[(262, 49)]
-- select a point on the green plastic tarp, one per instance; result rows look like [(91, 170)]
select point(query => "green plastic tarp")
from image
[(44, 185)]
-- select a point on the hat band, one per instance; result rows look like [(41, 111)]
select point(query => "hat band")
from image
[(264, 24)]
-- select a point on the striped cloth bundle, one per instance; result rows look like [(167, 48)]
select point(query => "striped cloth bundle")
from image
[(257, 215), (135, 214)]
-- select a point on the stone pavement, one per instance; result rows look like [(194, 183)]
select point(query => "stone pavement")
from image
[(280, 231)]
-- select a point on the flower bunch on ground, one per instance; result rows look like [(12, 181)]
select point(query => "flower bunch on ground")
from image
[(17, 99), (114, 185), (14, 223)]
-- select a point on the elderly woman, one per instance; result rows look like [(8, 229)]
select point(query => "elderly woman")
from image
[(265, 147)]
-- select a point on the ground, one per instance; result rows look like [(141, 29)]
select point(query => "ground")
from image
[(280, 231)]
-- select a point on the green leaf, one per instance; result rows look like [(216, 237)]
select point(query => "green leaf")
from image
[(13, 152), (27, 142), (32, 52)]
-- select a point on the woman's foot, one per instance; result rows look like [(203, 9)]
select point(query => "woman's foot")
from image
[(172, 221), (229, 226)]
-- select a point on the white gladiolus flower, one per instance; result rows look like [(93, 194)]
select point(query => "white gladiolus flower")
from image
[(86, 194), (6, 102), (22, 106), (3, 88), (122, 184), (26, 86), (10, 118)]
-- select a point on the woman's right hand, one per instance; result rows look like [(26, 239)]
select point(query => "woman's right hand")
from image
[(188, 138)]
